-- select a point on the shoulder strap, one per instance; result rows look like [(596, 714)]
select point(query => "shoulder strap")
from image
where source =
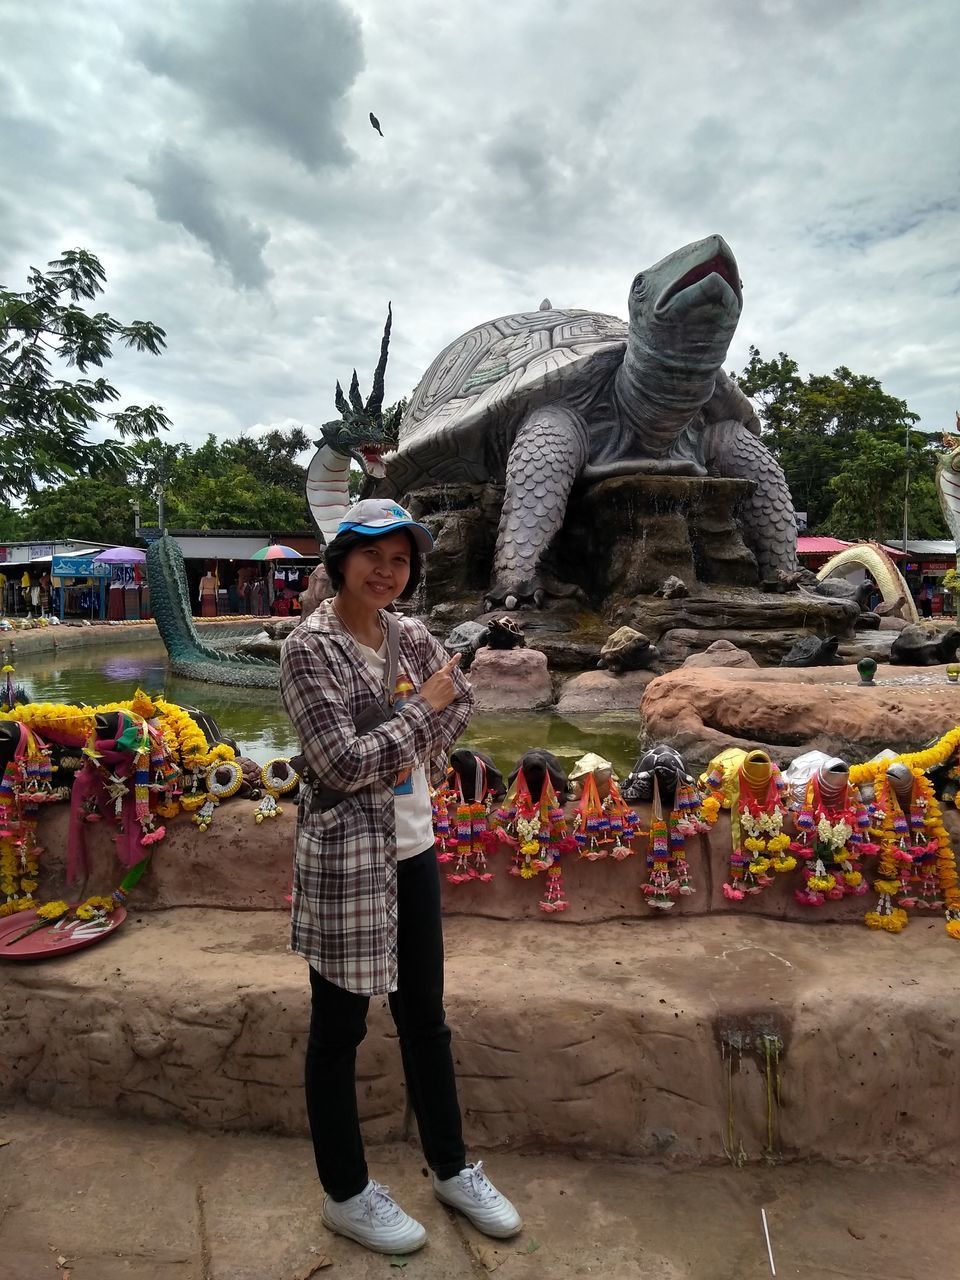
[(393, 656)]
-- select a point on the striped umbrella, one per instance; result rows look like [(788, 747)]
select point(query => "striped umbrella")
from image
[(276, 551)]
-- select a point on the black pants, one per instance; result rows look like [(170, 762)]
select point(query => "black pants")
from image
[(338, 1023)]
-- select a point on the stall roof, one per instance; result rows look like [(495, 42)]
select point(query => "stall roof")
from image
[(824, 546), (941, 548), (38, 560), (813, 546)]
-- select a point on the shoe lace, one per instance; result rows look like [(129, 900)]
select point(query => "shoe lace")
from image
[(480, 1185), (380, 1205)]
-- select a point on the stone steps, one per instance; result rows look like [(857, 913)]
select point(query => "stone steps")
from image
[(635, 1039)]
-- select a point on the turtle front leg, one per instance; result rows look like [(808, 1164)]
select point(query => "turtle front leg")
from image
[(766, 518), (548, 454)]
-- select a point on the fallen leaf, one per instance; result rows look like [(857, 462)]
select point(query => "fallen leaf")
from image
[(398, 1262), (857, 1235), (321, 1264), (530, 1247), (489, 1258), (5, 1142), (62, 1261)]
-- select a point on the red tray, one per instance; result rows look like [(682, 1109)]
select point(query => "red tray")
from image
[(50, 941)]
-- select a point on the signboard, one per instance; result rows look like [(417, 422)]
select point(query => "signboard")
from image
[(40, 551), (78, 567)]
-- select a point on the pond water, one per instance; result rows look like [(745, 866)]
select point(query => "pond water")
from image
[(258, 722)]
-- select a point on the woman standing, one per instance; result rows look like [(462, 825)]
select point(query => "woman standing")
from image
[(366, 898)]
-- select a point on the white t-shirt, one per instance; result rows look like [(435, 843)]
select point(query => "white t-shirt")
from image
[(414, 812)]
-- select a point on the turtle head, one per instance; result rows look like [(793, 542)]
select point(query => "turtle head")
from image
[(685, 308), (363, 431)]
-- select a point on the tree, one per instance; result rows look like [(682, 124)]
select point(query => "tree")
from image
[(842, 443), (46, 420)]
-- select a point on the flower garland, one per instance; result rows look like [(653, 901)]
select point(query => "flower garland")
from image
[(25, 785), (470, 839), (919, 762), (759, 845), (275, 785), (832, 840), (538, 835), (624, 824), (669, 875)]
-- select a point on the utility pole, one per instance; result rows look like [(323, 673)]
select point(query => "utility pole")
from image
[(135, 508), (158, 494)]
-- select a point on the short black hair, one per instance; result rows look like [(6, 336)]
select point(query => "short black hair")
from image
[(337, 551)]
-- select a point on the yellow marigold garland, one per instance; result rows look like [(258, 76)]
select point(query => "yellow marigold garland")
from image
[(920, 762)]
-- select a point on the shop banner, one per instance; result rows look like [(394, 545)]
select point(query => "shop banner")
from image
[(78, 567)]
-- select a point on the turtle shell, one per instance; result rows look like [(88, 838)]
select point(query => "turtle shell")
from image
[(464, 414)]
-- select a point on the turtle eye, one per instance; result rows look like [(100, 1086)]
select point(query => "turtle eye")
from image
[(638, 288)]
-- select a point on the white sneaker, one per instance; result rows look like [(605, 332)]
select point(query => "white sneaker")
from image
[(472, 1192), (375, 1220)]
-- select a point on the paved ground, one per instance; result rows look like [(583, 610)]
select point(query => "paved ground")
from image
[(112, 1200)]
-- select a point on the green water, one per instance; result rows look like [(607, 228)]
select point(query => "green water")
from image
[(256, 719)]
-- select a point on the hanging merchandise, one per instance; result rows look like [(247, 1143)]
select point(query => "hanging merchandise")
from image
[(757, 796), (833, 826)]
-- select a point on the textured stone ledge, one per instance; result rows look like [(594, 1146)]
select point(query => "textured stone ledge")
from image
[(626, 1040)]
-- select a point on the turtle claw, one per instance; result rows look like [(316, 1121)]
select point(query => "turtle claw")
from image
[(531, 594)]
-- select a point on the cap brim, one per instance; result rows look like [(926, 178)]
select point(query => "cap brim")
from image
[(421, 535)]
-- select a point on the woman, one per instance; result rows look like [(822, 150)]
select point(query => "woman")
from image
[(366, 899)]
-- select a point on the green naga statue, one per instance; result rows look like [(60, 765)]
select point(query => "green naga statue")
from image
[(362, 434)]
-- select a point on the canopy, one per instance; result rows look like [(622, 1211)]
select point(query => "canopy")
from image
[(121, 555), (276, 551)]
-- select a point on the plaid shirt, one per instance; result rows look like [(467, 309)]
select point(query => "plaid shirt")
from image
[(345, 869)]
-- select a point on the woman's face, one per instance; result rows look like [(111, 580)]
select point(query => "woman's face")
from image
[(374, 574)]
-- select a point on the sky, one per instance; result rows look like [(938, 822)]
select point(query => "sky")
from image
[(217, 156)]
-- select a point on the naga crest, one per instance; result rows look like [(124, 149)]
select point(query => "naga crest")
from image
[(364, 431)]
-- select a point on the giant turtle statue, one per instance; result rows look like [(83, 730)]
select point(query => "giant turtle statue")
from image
[(543, 400)]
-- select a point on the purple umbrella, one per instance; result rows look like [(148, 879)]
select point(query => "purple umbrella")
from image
[(121, 555)]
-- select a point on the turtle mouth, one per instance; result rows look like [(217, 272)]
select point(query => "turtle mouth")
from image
[(719, 264)]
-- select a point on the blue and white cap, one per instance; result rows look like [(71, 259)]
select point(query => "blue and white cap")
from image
[(377, 516)]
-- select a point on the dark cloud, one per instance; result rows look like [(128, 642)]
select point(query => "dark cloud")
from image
[(282, 69), (183, 194)]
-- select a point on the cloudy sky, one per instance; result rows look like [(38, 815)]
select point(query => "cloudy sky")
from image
[(217, 156)]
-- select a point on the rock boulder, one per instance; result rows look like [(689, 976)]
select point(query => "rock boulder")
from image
[(511, 680), (722, 653)]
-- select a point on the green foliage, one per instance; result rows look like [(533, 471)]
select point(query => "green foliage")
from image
[(249, 482), (46, 419), (842, 443)]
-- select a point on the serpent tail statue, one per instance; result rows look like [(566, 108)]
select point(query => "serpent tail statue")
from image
[(948, 485), (362, 434), (189, 655), (547, 399)]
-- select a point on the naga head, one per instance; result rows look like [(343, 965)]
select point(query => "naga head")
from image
[(684, 310), (364, 431)]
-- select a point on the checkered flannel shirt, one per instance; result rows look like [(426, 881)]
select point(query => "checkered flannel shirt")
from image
[(345, 868)]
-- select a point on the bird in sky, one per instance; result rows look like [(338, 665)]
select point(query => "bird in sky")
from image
[(376, 124)]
